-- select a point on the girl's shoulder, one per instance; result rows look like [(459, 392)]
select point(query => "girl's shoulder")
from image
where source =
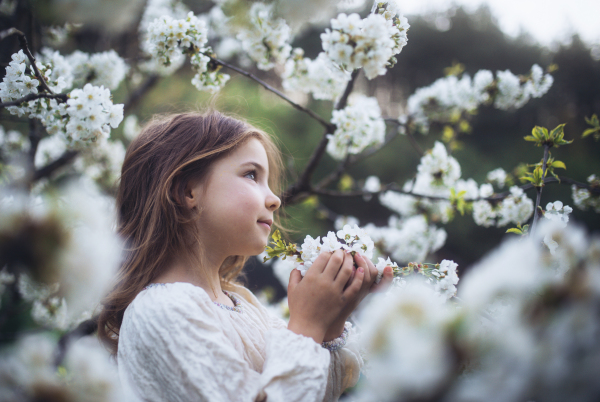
[(167, 301)]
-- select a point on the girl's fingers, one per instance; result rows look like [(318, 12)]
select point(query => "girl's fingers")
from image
[(362, 263), (320, 263), (295, 278), (373, 271), (334, 264), (386, 280), (352, 291), (346, 271)]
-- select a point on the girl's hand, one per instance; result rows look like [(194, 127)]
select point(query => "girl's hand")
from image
[(368, 286), (318, 299)]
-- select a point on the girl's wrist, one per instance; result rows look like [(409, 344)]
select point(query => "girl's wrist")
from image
[(307, 329), (335, 330)]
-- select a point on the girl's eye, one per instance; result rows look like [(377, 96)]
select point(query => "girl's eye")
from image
[(251, 175)]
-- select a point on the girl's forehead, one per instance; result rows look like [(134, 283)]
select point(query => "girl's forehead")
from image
[(251, 151)]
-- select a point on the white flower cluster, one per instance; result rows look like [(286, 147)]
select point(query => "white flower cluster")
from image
[(17, 83), (320, 76), (437, 173), (170, 39), (91, 114), (370, 43), (448, 96), (266, 40), (557, 213), (447, 278), (355, 240), (28, 372), (156, 9), (583, 198), (404, 336), (10, 142), (410, 239), (78, 269), (516, 92), (358, 126), (497, 176), (88, 114), (60, 69), (106, 69), (521, 316), (517, 208)]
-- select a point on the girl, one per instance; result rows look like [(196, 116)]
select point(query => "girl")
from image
[(194, 201)]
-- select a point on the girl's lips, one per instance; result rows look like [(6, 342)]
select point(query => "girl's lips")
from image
[(266, 223)]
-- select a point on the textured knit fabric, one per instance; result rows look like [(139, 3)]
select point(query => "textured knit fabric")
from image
[(175, 344)]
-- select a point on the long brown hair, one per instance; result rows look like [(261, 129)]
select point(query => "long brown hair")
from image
[(159, 163)]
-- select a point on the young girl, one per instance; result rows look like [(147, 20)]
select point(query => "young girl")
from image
[(194, 201)]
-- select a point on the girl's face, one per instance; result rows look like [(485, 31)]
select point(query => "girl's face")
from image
[(235, 202)]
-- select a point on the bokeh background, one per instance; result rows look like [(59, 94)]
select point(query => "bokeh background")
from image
[(441, 35)]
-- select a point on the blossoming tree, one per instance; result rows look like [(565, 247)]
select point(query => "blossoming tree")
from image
[(522, 321)]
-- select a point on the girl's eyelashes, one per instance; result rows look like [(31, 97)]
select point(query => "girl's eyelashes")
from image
[(251, 175)]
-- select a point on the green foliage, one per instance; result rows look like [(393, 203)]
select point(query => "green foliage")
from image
[(595, 129), (520, 230), (554, 138), (536, 178), (458, 200), (281, 247)]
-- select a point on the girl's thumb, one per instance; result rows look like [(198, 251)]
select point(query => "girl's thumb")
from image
[(295, 278)]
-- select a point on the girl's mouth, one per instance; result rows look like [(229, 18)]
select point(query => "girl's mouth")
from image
[(266, 223)]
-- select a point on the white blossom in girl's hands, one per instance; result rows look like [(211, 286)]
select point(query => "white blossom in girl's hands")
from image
[(267, 39), (369, 43), (447, 278), (358, 126), (381, 264)]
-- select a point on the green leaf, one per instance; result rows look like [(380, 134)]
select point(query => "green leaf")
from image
[(530, 138), (558, 132), (515, 231), (558, 165), (589, 131)]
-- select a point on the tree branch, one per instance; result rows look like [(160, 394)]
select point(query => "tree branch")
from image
[(140, 91), (302, 185), (312, 114), (53, 166), (30, 97), (538, 199), (85, 328), (495, 197)]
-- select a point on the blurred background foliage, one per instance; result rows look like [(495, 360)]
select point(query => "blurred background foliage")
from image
[(469, 41)]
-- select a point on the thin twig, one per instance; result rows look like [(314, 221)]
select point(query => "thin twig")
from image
[(53, 166), (312, 114), (140, 91), (25, 47), (536, 212), (30, 97)]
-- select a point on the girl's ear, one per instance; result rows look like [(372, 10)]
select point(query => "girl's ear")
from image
[(191, 195)]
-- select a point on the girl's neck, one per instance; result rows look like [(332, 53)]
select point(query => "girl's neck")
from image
[(184, 270)]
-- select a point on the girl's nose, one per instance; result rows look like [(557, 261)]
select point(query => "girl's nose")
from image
[(272, 202)]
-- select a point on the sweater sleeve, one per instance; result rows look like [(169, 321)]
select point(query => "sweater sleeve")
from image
[(345, 365), (171, 347)]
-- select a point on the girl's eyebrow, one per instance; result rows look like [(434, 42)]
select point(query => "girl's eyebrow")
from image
[(257, 165)]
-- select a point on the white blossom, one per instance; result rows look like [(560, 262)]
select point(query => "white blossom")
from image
[(267, 39), (341, 221), (320, 76), (497, 176), (106, 69), (358, 126), (583, 198), (368, 43)]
